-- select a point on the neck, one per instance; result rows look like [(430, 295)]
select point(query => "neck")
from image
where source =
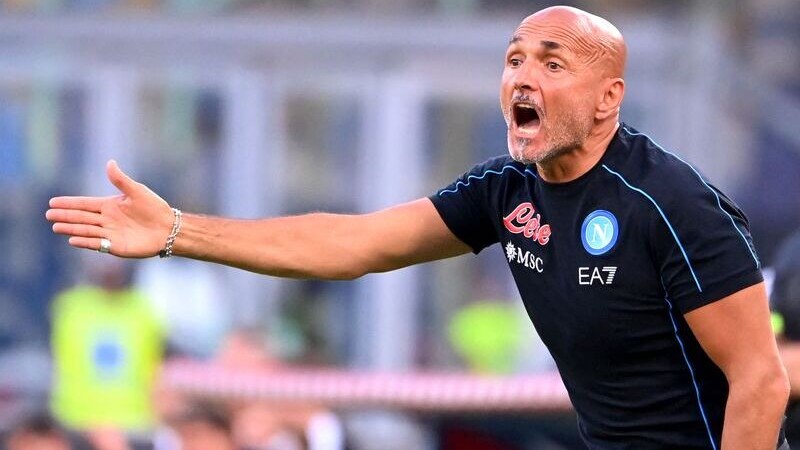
[(572, 165)]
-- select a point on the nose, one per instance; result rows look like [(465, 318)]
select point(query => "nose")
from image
[(522, 87), (525, 79)]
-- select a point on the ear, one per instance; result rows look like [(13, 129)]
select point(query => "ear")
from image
[(611, 98)]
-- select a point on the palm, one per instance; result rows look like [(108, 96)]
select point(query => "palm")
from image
[(131, 228)]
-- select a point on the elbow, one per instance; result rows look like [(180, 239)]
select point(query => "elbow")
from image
[(347, 272), (338, 272), (767, 386), (772, 386), (356, 266), (780, 391), (347, 275), (782, 385), (779, 383)]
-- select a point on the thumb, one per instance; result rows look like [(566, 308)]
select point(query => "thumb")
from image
[(119, 179)]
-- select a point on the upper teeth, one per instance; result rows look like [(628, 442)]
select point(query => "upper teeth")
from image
[(525, 105)]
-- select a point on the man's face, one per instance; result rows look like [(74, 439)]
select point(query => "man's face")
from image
[(548, 89)]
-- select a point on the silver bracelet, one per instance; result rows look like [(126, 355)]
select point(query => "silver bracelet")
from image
[(176, 228)]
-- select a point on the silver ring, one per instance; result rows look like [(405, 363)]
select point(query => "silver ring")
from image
[(105, 246)]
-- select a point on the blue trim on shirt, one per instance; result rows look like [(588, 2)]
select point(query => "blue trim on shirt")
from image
[(663, 216), (700, 177), (691, 372), (483, 175)]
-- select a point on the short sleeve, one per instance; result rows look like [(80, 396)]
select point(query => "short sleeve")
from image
[(702, 243), (466, 205)]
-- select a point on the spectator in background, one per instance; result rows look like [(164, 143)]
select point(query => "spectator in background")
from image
[(189, 299), (37, 433), (268, 426), (263, 426), (487, 335), (107, 349), (204, 427), (785, 302), (41, 432), (112, 438)]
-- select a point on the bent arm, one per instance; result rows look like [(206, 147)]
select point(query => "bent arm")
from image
[(320, 245), (736, 334)]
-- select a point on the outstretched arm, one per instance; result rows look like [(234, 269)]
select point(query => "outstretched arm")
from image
[(736, 334), (327, 246)]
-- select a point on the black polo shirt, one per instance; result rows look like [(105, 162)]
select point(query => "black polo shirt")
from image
[(607, 265)]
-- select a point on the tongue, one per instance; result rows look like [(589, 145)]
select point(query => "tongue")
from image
[(527, 118), (530, 123)]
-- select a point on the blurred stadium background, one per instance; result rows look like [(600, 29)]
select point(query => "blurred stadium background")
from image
[(257, 108)]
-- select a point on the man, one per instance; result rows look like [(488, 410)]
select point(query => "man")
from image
[(107, 346), (204, 427), (38, 432), (639, 275)]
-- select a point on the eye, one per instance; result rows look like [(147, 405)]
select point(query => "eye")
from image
[(553, 66), (514, 62)]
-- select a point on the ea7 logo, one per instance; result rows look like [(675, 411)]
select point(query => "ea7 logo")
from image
[(602, 275)]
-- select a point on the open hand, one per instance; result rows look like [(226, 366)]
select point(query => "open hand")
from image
[(136, 222)]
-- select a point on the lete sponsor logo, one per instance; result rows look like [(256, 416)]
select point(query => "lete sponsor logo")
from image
[(526, 221)]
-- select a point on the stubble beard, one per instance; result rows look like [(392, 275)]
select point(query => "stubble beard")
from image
[(567, 134)]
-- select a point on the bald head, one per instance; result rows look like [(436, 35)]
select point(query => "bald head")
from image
[(594, 40)]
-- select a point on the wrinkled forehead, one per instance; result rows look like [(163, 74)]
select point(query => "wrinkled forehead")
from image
[(570, 33)]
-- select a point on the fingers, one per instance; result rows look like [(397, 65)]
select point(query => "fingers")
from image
[(74, 216), (91, 204), (119, 179), (123, 182), (85, 242), (71, 229)]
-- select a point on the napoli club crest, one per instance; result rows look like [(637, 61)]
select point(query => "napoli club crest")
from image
[(599, 232)]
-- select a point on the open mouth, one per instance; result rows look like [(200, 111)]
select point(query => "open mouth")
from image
[(526, 116)]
